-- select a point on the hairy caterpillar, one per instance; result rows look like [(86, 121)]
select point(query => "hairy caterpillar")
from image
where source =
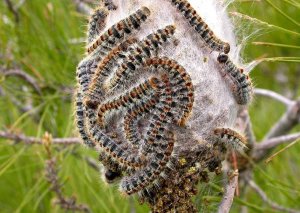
[(120, 29), (201, 27), (231, 138), (241, 83), (142, 51)]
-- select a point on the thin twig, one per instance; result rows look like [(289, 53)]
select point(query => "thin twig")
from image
[(286, 123), (20, 73), (273, 142), (35, 140), (13, 10), (67, 203), (245, 125), (274, 95), (264, 197), (51, 173), (229, 194)]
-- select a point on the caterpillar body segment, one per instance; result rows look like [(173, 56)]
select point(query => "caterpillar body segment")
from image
[(120, 29), (131, 118), (194, 19), (241, 83), (96, 92), (80, 120), (143, 90), (96, 23), (85, 71), (182, 87), (125, 157), (157, 134), (136, 59), (110, 5), (146, 176), (231, 138)]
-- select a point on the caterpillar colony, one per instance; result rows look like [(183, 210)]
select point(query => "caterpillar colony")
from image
[(158, 95)]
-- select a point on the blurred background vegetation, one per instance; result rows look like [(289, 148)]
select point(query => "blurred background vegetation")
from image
[(44, 39)]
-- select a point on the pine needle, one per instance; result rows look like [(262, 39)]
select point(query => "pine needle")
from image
[(282, 150)]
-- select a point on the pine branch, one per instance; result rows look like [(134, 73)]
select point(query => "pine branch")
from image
[(274, 95), (35, 140), (265, 198), (273, 142), (229, 193)]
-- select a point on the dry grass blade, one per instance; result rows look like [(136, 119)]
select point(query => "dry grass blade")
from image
[(275, 44), (281, 59), (263, 23), (282, 150)]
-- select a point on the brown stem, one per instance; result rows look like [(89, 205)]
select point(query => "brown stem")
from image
[(66, 203)]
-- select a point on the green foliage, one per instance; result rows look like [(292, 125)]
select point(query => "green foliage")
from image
[(42, 44)]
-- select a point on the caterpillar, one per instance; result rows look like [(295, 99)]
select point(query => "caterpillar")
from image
[(159, 157), (131, 118), (95, 92), (241, 83), (120, 29), (194, 19), (181, 82), (80, 120), (145, 89), (139, 54), (96, 23), (231, 138)]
